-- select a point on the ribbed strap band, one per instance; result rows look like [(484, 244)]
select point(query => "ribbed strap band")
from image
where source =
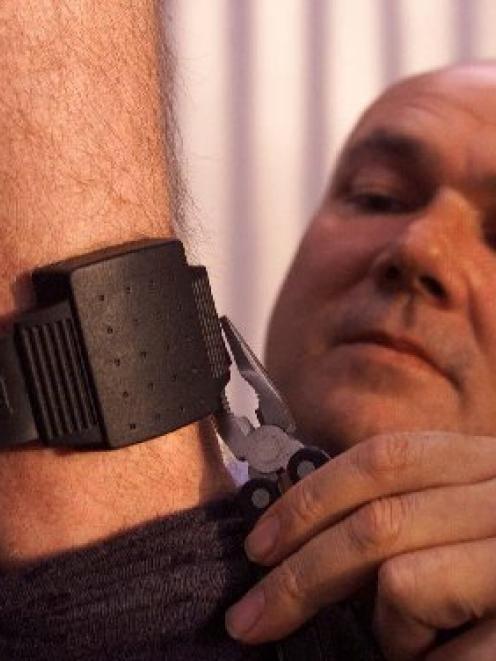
[(210, 325)]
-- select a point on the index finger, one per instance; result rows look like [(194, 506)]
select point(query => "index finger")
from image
[(384, 465)]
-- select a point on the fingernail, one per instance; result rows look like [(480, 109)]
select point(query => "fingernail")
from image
[(262, 538), (241, 617)]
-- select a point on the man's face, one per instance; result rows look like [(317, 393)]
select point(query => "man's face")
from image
[(387, 319)]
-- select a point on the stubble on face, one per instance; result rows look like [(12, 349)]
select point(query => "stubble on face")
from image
[(340, 394)]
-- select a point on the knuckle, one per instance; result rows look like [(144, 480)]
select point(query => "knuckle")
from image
[(397, 581), (459, 604), (305, 507), (402, 581), (289, 582), (377, 526), (386, 455)]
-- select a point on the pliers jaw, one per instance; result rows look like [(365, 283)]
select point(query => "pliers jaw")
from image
[(272, 409), (276, 459)]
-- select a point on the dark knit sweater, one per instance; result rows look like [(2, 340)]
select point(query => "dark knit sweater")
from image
[(157, 592)]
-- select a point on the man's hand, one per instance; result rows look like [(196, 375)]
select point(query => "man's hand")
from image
[(415, 511)]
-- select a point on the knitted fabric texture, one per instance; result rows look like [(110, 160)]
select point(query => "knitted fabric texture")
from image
[(157, 592)]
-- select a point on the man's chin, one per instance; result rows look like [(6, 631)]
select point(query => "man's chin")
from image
[(341, 418)]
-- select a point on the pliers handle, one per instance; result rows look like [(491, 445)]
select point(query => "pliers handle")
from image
[(259, 493)]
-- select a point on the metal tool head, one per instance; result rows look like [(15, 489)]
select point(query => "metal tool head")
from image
[(272, 409)]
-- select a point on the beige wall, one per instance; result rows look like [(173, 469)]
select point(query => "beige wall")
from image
[(267, 91)]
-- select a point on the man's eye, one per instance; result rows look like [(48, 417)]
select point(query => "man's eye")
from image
[(378, 203)]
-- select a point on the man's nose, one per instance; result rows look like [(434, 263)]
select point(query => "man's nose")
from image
[(427, 256)]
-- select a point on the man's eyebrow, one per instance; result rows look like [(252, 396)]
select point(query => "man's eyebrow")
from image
[(400, 148), (486, 183)]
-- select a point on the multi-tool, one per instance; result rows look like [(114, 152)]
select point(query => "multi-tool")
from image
[(276, 460)]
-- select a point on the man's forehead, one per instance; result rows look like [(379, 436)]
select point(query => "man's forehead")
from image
[(451, 100), (469, 88)]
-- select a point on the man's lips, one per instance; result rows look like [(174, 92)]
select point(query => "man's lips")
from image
[(399, 344)]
